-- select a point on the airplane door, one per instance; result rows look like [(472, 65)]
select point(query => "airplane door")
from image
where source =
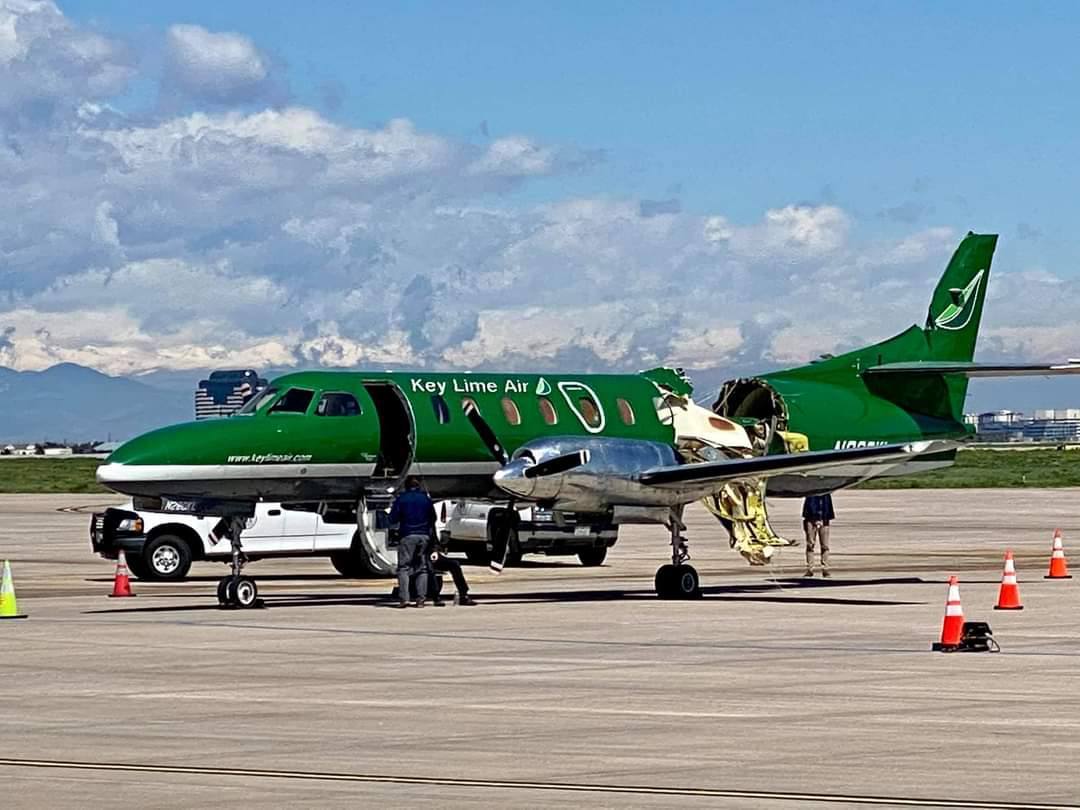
[(397, 436)]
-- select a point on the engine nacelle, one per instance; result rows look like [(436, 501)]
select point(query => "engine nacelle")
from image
[(609, 477)]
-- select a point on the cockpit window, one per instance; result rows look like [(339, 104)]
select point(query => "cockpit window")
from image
[(337, 404), (295, 400), (259, 401)]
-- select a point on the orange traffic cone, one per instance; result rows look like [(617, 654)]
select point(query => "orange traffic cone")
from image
[(121, 582), (952, 630), (1009, 592), (1059, 567)]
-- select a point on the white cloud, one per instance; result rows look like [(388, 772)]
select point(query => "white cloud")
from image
[(219, 67), (46, 62), (278, 236)]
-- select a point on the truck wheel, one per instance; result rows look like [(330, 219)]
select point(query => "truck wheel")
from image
[(167, 557), (592, 556), (477, 556), (137, 568), (350, 564)]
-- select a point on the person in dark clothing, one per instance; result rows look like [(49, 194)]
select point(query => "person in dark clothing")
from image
[(440, 562), (413, 514), (817, 513)]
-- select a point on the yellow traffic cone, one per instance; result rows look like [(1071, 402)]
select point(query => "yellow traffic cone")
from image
[(8, 608)]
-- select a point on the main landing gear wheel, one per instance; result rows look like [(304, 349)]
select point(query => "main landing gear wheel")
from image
[(237, 592), (678, 582)]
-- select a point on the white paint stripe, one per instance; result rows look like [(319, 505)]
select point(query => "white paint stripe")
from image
[(123, 473), (439, 705), (453, 468)]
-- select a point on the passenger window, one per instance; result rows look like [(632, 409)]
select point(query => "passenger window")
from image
[(442, 410), (589, 412), (584, 403), (625, 411), (547, 410), (259, 401), (337, 404), (511, 412), (295, 400)]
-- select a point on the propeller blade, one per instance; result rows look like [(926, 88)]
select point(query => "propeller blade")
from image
[(487, 435), (559, 464), (500, 530)]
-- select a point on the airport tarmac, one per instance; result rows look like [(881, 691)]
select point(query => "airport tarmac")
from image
[(566, 686)]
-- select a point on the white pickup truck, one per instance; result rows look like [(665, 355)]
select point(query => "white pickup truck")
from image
[(162, 545), (466, 527)]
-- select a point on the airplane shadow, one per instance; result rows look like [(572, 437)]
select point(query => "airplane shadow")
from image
[(755, 592)]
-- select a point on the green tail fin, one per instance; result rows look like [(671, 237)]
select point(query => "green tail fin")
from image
[(952, 322), (950, 333)]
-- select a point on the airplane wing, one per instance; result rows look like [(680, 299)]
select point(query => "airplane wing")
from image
[(692, 476), (972, 370)]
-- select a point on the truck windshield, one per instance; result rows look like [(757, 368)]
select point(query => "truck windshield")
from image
[(258, 402)]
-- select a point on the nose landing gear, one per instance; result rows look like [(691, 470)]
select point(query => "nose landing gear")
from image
[(234, 590), (678, 580)]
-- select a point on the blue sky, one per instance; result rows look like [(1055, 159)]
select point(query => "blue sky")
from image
[(965, 108), (604, 186)]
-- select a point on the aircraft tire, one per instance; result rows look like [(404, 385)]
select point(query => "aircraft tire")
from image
[(677, 582), (245, 593), (686, 583), (223, 590), (593, 556), (665, 582)]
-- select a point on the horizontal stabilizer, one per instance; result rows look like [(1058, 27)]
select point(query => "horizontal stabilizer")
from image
[(718, 472), (972, 370)]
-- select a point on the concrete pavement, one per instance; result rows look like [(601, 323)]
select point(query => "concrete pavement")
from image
[(767, 686)]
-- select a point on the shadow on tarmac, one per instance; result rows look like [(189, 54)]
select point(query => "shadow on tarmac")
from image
[(785, 591)]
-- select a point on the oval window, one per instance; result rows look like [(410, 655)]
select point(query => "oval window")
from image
[(626, 413), (547, 411), (584, 403), (589, 412), (511, 412)]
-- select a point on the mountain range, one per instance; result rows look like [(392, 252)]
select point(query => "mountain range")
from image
[(73, 403), (69, 402)]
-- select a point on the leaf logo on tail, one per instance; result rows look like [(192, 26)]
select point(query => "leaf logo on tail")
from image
[(957, 315)]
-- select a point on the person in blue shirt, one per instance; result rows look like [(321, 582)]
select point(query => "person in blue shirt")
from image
[(817, 513), (413, 513)]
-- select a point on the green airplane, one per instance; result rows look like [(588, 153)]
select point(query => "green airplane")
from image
[(629, 447)]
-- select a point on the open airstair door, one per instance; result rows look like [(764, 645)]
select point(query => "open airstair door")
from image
[(397, 437)]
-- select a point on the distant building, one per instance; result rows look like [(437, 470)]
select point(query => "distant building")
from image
[(1057, 429), (225, 392), (1047, 425), (57, 451)]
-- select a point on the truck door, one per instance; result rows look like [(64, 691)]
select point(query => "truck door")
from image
[(275, 528)]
